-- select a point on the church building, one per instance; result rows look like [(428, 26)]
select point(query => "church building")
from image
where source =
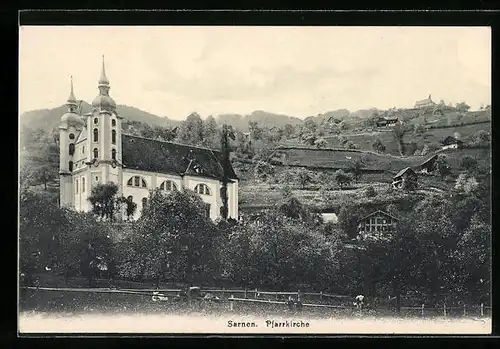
[(94, 151)]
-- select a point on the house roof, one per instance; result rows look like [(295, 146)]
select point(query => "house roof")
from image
[(431, 159), (451, 140), (152, 155), (378, 211), (403, 171)]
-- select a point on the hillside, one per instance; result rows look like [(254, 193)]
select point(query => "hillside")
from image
[(47, 119), (434, 135), (263, 118)]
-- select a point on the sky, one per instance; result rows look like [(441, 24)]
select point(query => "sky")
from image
[(298, 71)]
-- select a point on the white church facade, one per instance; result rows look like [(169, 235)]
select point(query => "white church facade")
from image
[(93, 150)]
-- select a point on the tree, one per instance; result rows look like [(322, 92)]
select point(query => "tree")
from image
[(370, 192), (309, 138), (419, 130), (462, 107), (468, 163), (398, 133), (473, 254), (291, 207), (342, 178), (320, 143), (210, 133), (40, 157), (378, 146), (255, 131), (174, 238), (41, 227), (279, 252), (130, 206), (263, 170), (442, 166), (310, 125), (104, 201), (304, 177), (356, 168), (227, 134), (191, 130)]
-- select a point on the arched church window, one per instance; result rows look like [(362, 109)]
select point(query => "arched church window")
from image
[(71, 136), (83, 184), (130, 198), (168, 185), (76, 186), (113, 154), (70, 166), (144, 202), (96, 121), (113, 122), (137, 181), (96, 135), (202, 189), (96, 153), (71, 148), (113, 136)]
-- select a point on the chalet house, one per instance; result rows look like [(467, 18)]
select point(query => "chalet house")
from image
[(404, 176), (451, 143), (428, 165), (387, 122), (375, 223)]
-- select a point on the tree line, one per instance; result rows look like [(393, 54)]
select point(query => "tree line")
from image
[(439, 252)]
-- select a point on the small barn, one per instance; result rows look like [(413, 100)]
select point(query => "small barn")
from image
[(428, 165), (451, 143), (404, 178)]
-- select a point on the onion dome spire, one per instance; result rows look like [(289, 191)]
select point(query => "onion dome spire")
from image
[(72, 102), (71, 118), (103, 101), (103, 80)]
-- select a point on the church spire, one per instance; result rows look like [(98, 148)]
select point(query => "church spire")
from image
[(103, 80), (71, 97), (72, 103)]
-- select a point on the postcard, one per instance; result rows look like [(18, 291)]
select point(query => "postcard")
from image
[(255, 180)]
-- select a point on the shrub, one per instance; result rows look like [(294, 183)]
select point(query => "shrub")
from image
[(370, 192), (378, 146)]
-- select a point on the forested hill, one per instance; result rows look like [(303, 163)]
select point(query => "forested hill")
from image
[(48, 119)]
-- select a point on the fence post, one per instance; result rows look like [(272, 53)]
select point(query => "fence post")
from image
[(276, 295), (465, 311), (231, 303), (482, 309), (245, 293), (298, 296), (444, 309), (423, 310), (222, 291), (321, 296), (255, 294)]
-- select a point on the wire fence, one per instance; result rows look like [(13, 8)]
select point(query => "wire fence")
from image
[(241, 300)]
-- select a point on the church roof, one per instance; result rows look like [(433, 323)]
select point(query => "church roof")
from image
[(152, 155)]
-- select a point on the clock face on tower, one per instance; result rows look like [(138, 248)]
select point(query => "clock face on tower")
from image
[(113, 164), (96, 163)]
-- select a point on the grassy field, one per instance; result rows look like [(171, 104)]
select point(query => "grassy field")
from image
[(435, 135), (252, 199)]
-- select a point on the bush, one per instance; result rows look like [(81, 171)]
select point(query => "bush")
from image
[(378, 146), (370, 192)]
